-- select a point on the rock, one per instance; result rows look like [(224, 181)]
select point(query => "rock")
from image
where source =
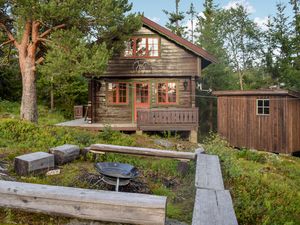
[(65, 153), (174, 222), (33, 163), (180, 147), (164, 143)]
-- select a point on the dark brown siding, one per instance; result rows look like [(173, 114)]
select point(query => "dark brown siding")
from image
[(239, 124), (173, 61), (107, 112), (293, 124)]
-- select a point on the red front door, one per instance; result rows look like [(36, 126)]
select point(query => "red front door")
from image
[(141, 97)]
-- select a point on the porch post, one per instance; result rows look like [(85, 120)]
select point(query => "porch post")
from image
[(194, 136), (193, 91), (89, 115)]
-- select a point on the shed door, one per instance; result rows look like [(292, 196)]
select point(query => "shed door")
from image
[(141, 97)]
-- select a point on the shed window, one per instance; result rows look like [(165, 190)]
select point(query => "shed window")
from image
[(119, 93), (263, 106), (142, 47), (167, 93)]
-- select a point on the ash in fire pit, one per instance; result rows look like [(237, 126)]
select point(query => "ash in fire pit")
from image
[(117, 174)]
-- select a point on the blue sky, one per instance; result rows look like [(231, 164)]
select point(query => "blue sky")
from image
[(259, 9)]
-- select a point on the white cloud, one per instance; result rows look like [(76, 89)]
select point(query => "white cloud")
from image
[(235, 3), (262, 22), (155, 19)]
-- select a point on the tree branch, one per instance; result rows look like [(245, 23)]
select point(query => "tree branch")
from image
[(47, 32), (39, 61), (9, 34), (6, 42), (26, 33)]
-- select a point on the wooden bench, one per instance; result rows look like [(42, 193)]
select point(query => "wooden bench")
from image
[(33, 163), (213, 207), (83, 203), (142, 151)]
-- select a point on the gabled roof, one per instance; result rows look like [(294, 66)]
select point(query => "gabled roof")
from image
[(258, 92), (179, 40)]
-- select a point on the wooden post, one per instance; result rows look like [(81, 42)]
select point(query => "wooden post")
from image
[(89, 117), (193, 91), (194, 136), (108, 206)]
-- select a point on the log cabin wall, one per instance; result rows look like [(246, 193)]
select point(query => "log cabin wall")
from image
[(107, 112), (239, 123), (173, 61)]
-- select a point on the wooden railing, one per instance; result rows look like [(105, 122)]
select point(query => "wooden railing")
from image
[(167, 119)]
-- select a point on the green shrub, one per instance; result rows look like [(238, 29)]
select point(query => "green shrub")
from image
[(265, 187)]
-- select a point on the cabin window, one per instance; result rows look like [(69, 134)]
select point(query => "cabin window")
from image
[(167, 93), (142, 47), (119, 92), (263, 106)]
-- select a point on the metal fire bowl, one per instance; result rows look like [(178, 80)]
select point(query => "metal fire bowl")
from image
[(117, 170)]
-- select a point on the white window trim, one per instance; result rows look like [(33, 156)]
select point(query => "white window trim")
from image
[(263, 107)]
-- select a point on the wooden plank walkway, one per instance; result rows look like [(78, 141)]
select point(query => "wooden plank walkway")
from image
[(213, 208), (208, 172), (213, 205)]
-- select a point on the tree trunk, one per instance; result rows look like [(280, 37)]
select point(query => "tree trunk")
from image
[(241, 81), (29, 96)]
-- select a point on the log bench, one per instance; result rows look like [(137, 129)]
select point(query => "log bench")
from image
[(108, 206), (65, 153), (33, 163)]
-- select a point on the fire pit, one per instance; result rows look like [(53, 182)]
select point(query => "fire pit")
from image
[(117, 174)]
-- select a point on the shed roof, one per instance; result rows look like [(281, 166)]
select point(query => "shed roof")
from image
[(278, 92), (180, 41)]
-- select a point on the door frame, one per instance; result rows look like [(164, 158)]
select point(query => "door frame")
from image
[(140, 105)]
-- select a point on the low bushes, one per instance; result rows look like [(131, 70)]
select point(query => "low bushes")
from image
[(265, 187)]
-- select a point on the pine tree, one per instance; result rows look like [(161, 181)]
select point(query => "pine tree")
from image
[(33, 26), (192, 13), (175, 21)]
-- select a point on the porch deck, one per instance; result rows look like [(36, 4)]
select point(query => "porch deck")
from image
[(81, 123)]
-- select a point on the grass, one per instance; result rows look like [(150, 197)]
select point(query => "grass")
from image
[(19, 137), (265, 187), (46, 116)]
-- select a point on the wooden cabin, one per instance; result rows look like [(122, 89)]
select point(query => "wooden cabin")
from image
[(261, 119), (151, 85)]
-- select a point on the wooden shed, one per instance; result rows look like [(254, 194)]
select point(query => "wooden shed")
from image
[(260, 119)]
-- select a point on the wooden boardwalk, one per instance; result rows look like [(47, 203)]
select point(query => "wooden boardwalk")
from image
[(213, 205)]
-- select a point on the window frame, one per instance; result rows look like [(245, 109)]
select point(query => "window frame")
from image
[(167, 95), (263, 107), (118, 93), (134, 53)]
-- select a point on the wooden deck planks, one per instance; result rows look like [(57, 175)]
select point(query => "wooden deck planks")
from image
[(213, 207), (208, 172)]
